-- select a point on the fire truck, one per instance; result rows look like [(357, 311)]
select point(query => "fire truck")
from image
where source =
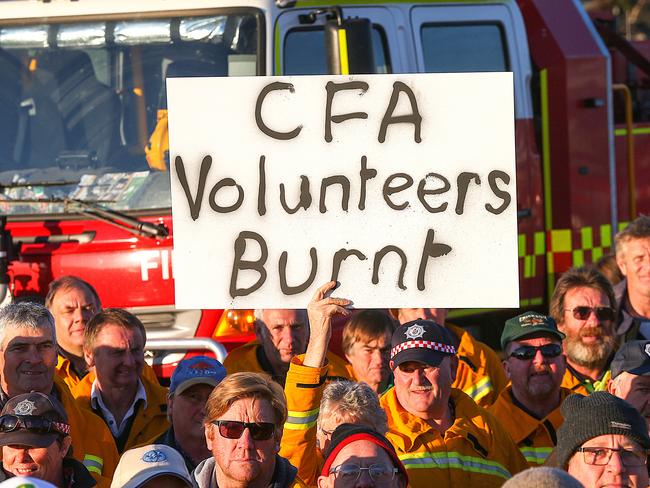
[(85, 186)]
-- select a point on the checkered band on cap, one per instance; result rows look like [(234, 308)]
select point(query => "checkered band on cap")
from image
[(436, 346)]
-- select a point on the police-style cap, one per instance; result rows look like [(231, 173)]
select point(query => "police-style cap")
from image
[(421, 340), (633, 357), (528, 324), (142, 464), (194, 371), (32, 419)]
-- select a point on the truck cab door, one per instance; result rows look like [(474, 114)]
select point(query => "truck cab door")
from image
[(492, 37), (301, 49)]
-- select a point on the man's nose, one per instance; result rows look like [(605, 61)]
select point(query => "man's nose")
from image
[(24, 456), (364, 480), (539, 357), (34, 355), (615, 464), (246, 440)]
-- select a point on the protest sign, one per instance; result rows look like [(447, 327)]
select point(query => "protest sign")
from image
[(401, 187)]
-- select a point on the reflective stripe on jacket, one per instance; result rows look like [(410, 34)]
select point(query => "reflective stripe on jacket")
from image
[(92, 442), (475, 451), (149, 422), (479, 374), (535, 438), (304, 390)]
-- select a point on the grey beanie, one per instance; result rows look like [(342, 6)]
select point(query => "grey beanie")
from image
[(600, 413)]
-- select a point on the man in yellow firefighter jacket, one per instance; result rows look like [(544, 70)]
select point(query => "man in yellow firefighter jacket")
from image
[(529, 408), (441, 436), (479, 372)]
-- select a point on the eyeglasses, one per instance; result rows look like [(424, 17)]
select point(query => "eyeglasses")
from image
[(583, 312), (35, 425), (233, 429), (526, 353), (379, 473), (600, 456)]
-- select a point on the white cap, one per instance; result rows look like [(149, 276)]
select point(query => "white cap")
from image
[(26, 482), (137, 466)]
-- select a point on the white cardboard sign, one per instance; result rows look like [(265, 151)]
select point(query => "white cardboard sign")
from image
[(401, 187)]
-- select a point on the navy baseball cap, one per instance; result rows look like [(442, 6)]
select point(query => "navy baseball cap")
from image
[(633, 357), (423, 341), (194, 371)]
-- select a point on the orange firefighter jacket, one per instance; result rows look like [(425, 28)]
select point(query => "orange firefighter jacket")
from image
[(535, 438), (149, 422), (92, 442), (475, 451), (479, 374), (585, 386), (244, 358), (304, 390)]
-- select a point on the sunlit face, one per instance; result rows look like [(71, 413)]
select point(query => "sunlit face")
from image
[(283, 334), (369, 360), (424, 390), (27, 361), (438, 315), (614, 474), (72, 308), (361, 453), (187, 410), (635, 390), (536, 378), (117, 356), (588, 342), (634, 261), (45, 463), (243, 460)]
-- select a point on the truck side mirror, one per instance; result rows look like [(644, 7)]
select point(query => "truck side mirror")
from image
[(348, 43)]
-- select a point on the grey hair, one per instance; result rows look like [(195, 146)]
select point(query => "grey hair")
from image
[(27, 315), (353, 403), (260, 311), (543, 477)]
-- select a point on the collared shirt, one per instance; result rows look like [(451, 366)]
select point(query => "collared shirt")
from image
[(578, 383), (97, 403)]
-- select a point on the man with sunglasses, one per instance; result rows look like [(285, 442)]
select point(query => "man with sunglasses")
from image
[(439, 433), (583, 308), (245, 414), (603, 441), (633, 293), (27, 364), (35, 440), (529, 408)]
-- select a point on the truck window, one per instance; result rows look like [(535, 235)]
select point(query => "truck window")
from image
[(460, 48), (304, 51), (84, 99)]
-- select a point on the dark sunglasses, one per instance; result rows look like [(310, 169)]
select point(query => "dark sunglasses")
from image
[(233, 429), (526, 353), (583, 312), (35, 425)]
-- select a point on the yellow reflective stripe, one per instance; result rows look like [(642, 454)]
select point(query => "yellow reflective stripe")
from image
[(453, 460), (299, 420), (343, 52), (94, 464), (479, 389), (537, 455)]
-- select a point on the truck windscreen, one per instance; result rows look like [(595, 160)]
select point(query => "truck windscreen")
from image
[(83, 105)]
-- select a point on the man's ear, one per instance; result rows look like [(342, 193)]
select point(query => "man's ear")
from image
[(66, 442), (207, 430), (170, 406), (323, 481), (621, 263), (506, 368), (89, 357)]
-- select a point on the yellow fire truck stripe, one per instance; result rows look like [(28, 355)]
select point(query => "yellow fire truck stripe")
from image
[(343, 52)]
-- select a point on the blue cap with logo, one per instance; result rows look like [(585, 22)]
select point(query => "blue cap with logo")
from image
[(194, 371)]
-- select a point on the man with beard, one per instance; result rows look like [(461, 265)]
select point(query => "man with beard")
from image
[(529, 408), (633, 293), (583, 307), (631, 376)]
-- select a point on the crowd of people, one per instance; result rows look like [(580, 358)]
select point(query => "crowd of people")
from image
[(412, 401)]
